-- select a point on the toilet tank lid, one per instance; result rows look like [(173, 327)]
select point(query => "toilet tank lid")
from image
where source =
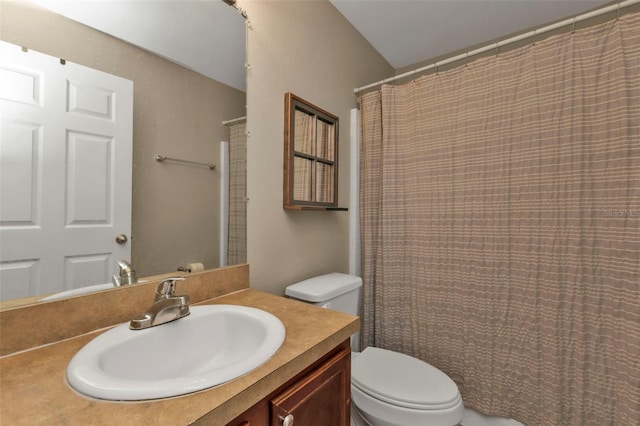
[(323, 287)]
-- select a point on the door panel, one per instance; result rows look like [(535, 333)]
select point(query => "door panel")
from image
[(20, 171), (90, 101), (81, 269), (19, 278), (89, 196)]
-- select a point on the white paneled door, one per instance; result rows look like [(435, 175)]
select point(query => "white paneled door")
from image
[(65, 173)]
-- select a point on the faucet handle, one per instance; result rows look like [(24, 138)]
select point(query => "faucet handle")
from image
[(125, 267), (167, 287), (127, 274)]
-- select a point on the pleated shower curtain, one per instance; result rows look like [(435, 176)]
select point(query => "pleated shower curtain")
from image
[(500, 208), (237, 239)]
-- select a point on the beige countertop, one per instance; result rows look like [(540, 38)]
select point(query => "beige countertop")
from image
[(34, 389)]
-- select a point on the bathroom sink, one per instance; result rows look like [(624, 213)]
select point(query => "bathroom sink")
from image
[(82, 290), (77, 291), (211, 346)]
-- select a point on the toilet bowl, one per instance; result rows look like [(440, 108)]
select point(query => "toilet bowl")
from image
[(392, 389), (387, 388)]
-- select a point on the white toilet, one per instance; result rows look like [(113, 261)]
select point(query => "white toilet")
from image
[(387, 388)]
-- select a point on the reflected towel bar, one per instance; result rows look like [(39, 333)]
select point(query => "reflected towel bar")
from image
[(160, 158), (234, 121)]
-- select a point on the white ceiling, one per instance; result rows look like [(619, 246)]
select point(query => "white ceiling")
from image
[(406, 32), (206, 36), (209, 36)]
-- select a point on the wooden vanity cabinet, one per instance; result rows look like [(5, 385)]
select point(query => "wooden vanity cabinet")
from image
[(254, 416), (319, 396)]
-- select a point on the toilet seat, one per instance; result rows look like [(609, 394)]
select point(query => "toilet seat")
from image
[(403, 381)]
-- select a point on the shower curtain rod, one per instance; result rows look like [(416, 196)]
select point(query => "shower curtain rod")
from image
[(233, 4), (235, 120), (497, 45)]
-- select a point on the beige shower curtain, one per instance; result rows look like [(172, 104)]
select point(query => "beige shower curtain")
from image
[(501, 226), (237, 240)]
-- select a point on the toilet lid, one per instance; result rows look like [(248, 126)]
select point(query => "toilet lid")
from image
[(403, 380)]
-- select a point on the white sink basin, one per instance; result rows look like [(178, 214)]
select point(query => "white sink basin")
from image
[(77, 291), (213, 345), (83, 290)]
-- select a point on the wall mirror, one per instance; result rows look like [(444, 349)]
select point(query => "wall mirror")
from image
[(179, 110), (310, 156)]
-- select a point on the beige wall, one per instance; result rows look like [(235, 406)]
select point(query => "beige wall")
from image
[(177, 113), (310, 49)]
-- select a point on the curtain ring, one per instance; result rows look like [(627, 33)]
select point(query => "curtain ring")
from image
[(534, 37), (618, 12), (497, 50), (573, 30)]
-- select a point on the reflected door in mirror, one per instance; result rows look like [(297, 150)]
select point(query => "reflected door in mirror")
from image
[(65, 173)]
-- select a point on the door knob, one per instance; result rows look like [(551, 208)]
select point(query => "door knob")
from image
[(121, 239)]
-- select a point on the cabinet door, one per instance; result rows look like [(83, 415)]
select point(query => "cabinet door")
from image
[(255, 416), (319, 399)]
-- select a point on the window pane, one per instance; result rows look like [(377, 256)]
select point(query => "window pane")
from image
[(324, 183), (302, 179), (324, 140), (303, 132)]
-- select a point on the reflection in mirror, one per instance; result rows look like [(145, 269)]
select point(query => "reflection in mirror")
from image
[(311, 160), (233, 249), (65, 173), (177, 112)]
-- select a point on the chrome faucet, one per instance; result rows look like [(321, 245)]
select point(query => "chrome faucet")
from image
[(127, 274), (166, 306)]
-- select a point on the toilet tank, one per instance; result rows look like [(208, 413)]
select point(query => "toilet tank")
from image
[(336, 291)]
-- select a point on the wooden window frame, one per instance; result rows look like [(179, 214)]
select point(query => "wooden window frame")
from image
[(294, 103)]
